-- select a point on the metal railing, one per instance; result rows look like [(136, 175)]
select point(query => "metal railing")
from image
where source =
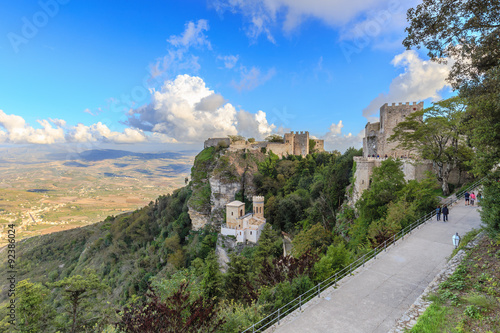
[(298, 302)]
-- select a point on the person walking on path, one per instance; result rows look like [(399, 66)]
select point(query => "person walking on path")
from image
[(445, 213), (472, 198), (438, 213), (466, 196)]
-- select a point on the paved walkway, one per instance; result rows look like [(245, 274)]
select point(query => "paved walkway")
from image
[(381, 292)]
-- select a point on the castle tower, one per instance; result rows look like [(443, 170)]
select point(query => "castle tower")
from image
[(390, 116), (234, 210), (258, 206)]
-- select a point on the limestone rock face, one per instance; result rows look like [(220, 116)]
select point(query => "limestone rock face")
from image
[(217, 180), (222, 192), (198, 220)]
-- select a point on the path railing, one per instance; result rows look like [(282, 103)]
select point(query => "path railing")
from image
[(298, 302)]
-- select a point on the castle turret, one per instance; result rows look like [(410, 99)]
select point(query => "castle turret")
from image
[(258, 206)]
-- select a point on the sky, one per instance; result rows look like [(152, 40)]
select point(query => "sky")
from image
[(167, 75)]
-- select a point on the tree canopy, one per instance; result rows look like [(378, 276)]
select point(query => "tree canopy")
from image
[(437, 134)]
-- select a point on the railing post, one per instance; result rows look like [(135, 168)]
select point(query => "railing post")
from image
[(385, 245), (319, 289), (279, 316), (335, 283), (300, 302), (253, 328), (364, 260)]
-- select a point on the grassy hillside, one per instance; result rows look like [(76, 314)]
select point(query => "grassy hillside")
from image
[(469, 301)]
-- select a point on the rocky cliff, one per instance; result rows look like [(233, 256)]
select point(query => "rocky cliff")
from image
[(217, 177)]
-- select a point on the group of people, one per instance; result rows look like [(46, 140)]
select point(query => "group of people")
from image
[(471, 197), (442, 210)]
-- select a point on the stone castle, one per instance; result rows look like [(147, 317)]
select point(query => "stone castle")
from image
[(245, 227), (377, 147), (293, 144)]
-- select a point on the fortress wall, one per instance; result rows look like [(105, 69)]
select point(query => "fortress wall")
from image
[(280, 149)]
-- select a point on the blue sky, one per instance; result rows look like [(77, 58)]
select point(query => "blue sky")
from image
[(171, 73)]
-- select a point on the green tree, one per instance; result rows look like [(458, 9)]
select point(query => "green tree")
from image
[(237, 277), (337, 257), (212, 282), (467, 31), (437, 134), (490, 203), (387, 180), (270, 246), (274, 138), (236, 138), (82, 293), (316, 239), (34, 312)]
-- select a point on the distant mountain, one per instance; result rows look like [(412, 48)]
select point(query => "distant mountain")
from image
[(95, 155)]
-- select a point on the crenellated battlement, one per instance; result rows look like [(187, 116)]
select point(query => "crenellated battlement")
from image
[(258, 198)]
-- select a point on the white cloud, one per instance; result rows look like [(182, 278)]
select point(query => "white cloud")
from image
[(186, 110), (178, 59), (336, 128), (252, 78), (262, 15), (193, 35), (421, 79), (229, 61), (334, 139), (18, 131)]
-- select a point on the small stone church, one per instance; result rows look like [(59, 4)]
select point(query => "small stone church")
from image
[(245, 227)]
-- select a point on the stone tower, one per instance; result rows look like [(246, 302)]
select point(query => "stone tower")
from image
[(376, 141), (258, 206), (234, 211)]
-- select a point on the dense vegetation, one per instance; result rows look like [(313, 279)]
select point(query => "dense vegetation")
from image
[(152, 259)]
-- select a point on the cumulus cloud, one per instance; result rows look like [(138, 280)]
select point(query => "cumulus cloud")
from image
[(186, 110), (252, 78), (421, 79), (18, 131), (334, 139)]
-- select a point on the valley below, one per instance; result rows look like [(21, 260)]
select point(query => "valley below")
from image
[(45, 192)]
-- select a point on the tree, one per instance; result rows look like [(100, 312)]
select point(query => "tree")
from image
[(387, 180), (177, 314), (316, 239), (336, 258), (81, 293), (33, 310), (437, 134), (212, 278), (469, 32), (490, 203), (275, 138), (237, 276), (235, 138)]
